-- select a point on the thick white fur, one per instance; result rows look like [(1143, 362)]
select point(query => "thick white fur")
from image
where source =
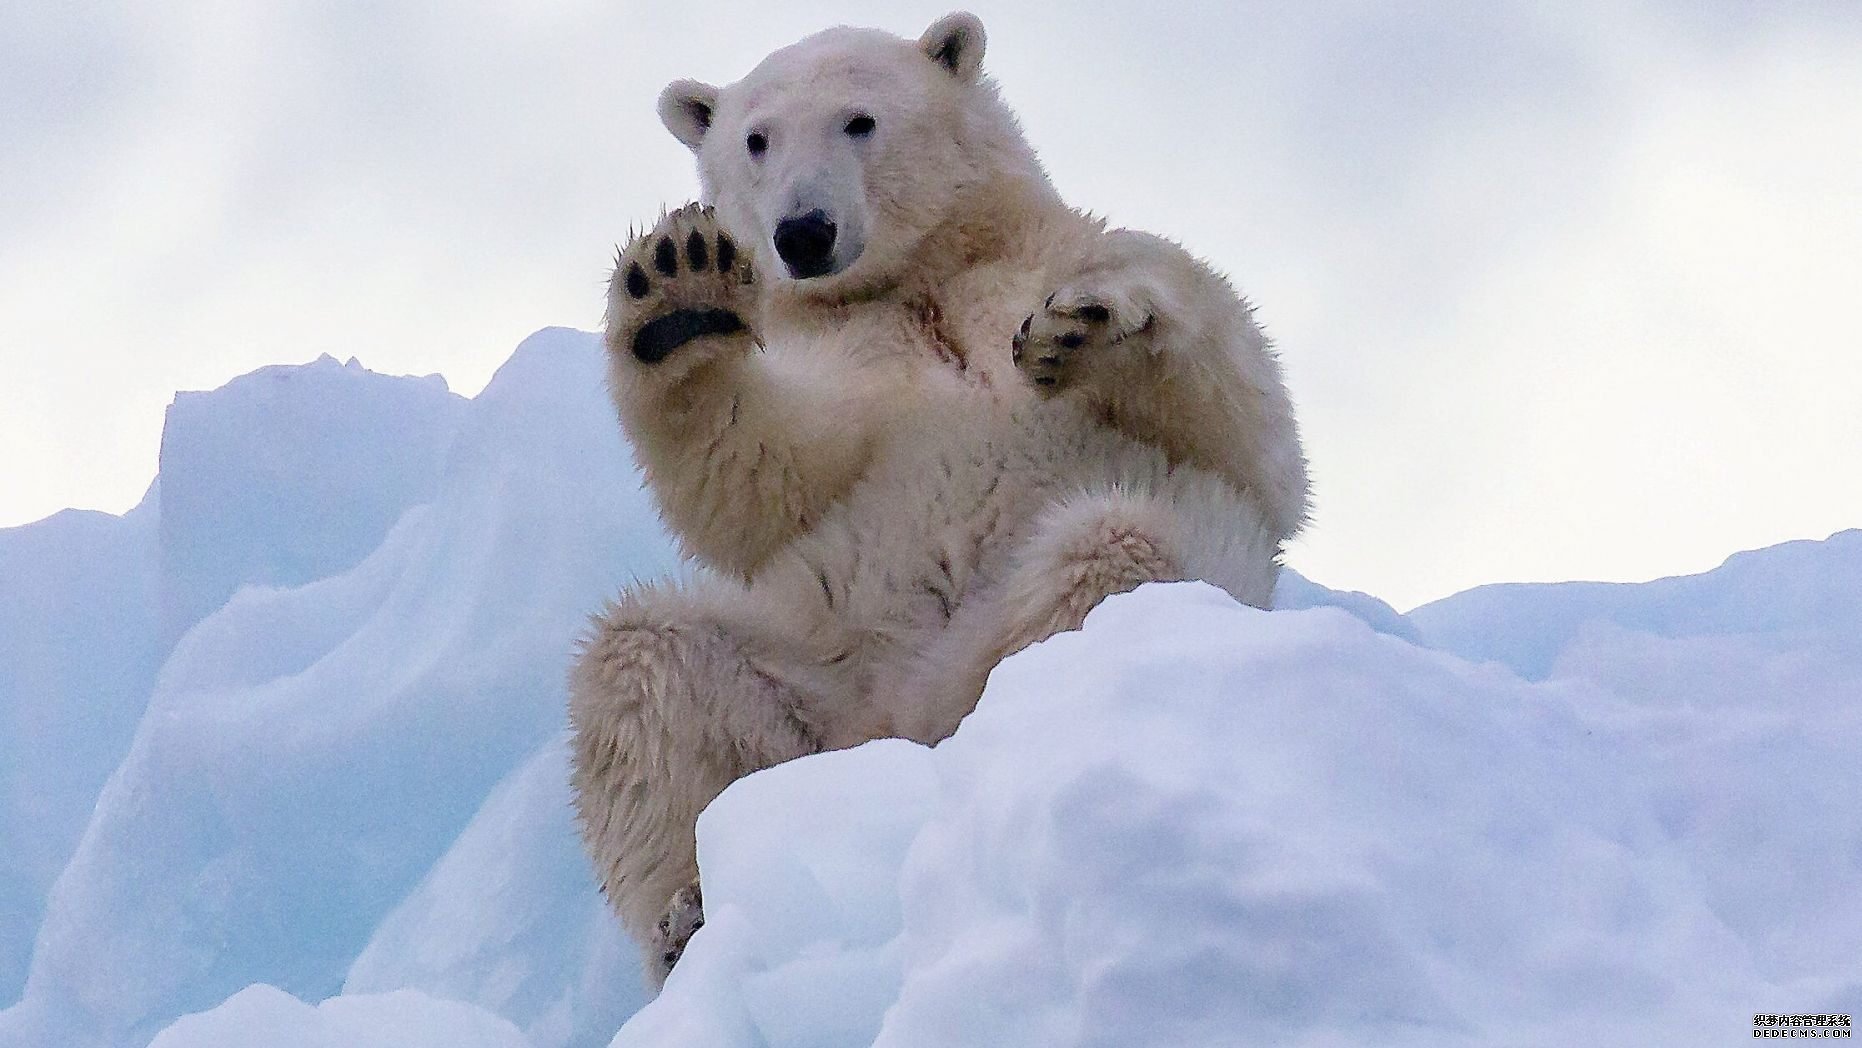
[(886, 503)]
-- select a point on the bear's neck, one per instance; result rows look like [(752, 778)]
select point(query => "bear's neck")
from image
[(998, 222), (995, 222)]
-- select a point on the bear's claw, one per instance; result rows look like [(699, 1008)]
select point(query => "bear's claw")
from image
[(684, 280), (1052, 345), (685, 914)]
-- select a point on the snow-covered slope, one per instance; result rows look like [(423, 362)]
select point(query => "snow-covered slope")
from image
[(1522, 815), (1796, 594), (308, 754), (279, 477), (78, 651)]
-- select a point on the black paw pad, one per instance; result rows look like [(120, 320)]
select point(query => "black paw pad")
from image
[(696, 252), (1072, 340), (727, 253), (665, 257), (637, 285), (1094, 314), (657, 339)]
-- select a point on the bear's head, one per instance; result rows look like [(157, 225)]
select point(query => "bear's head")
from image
[(839, 155)]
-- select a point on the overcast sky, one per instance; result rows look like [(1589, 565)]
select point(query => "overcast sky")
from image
[(1564, 291)]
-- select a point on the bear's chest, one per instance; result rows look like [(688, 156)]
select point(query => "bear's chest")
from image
[(962, 333), (970, 321)]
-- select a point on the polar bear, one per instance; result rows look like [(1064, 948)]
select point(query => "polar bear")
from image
[(911, 413)]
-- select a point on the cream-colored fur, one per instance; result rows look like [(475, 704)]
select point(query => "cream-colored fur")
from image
[(988, 415)]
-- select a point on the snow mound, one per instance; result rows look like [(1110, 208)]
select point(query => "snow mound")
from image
[(265, 1015), (1195, 823)]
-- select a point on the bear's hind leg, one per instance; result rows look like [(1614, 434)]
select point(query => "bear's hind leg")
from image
[(1080, 551), (1092, 545), (677, 694)]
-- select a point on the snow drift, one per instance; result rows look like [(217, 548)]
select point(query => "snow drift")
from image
[(336, 810), (1199, 824)]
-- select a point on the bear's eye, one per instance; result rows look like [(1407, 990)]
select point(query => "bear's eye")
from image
[(861, 126), (757, 143)]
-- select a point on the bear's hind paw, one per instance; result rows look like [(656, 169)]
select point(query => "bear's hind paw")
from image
[(685, 914)]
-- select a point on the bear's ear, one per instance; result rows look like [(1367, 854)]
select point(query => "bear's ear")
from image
[(686, 107), (955, 42)]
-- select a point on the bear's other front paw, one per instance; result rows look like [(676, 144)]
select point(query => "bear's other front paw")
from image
[(1074, 328), (685, 914), (684, 280)]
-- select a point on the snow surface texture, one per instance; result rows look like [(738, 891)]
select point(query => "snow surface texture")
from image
[(338, 814)]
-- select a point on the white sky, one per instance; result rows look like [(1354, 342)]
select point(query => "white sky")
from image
[(1561, 295)]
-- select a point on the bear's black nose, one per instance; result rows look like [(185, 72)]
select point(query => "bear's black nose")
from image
[(806, 244)]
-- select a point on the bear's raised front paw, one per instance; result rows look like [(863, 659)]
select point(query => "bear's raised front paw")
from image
[(1056, 345), (685, 914), (684, 280)]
